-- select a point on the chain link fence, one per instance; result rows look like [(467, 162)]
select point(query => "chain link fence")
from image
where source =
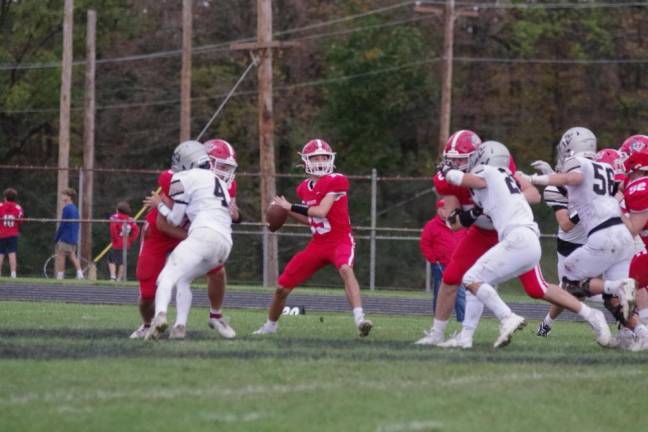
[(387, 214)]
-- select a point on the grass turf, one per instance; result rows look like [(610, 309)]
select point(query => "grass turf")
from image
[(70, 367)]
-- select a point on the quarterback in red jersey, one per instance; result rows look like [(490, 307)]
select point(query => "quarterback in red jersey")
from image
[(159, 238), (10, 215), (324, 207)]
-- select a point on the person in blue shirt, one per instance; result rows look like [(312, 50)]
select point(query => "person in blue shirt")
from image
[(67, 235)]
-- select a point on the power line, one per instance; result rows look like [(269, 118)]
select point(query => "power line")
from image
[(225, 46), (326, 81), (541, 6)]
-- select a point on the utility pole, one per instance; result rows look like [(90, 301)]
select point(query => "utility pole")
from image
[(264, 47), (88, 136), (185, 77), (64, 110), (449, 14)]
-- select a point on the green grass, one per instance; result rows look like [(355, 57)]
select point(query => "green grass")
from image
[(70, 367)]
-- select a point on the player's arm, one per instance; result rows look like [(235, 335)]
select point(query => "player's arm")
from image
[(637, 222), (174, 215), (565, 221), (460, 178), (450, 206), (572, 176), (302, 212), (529, 191), (166, 228), (234, 212)]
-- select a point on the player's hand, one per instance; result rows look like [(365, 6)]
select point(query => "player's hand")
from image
[(542, 167), (234, 212), (281, 201), (152, 200), (522, 177)]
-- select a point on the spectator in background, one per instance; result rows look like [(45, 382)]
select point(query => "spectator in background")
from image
[(67, 235), (437, 243), (10, 215), (122, 226)]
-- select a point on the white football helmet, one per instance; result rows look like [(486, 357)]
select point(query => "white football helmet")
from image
[(577, 141), (189, 154), (491, 153)]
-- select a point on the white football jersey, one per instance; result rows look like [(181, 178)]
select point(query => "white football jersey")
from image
[(502, 200), (206, 198), (593, 198), (577, 234)]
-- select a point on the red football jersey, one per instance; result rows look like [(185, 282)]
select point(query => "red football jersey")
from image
[(119, 230), (233, 189), (337, 223), (636, 201), (9, 212)]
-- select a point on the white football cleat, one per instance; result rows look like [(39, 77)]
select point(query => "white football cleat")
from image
[(508, 326), (158, 326), (626, 295), (431, 338), (640, 344), (222, 327), (600, 327), (364, 327), (458, 341), (139, 333), (178, 331), (625, 339), (265, 329)]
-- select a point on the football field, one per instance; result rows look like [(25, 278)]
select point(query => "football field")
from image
[(71, 367)]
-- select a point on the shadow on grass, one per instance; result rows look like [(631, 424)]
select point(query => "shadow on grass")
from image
[(72, 344)]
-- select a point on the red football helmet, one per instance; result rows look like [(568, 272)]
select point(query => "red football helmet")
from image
[(222, 158), (321, 166), (614, 158), (460, 146), (635, 143), (637, 161)]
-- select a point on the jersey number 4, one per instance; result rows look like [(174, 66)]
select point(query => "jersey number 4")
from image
[(603, 180), (220, 193)]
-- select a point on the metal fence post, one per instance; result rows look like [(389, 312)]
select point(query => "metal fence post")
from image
[(80, 206), (125, 235), (372, 250), (428, 276), (264, 238)]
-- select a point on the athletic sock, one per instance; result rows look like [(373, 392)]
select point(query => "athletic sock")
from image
[(439, 326), (489, 297), (13, 275), (358, 315), (474, 310), (183, 303), (585, 311), (270, 325), (59, 275), (215, 313), (548, 320), (611, 287)]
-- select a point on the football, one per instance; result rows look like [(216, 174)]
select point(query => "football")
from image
[(275, 217)]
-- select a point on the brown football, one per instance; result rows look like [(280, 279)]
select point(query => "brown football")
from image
[(275, 217)]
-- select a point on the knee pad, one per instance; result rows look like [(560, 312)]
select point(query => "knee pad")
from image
[(580, 290), (613, 306)]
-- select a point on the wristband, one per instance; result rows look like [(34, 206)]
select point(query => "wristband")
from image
[(540, 179), (574, 218), (454, 177), (163, 209), (299, 208)]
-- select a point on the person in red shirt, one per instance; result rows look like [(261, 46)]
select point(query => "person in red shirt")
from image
[(437, 244), (122, 226), (10, 215), (324, 207)]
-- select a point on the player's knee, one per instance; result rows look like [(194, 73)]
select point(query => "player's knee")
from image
[(451, 277), (282, 292)]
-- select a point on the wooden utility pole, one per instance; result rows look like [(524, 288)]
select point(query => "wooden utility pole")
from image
[(446, 74), (185, 78), (450, 15), (64, 110), (266, 135), (88, 136), (263, 47)]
